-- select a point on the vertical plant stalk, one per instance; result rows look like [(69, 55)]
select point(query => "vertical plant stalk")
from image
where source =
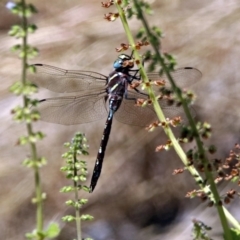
[(221, 210), (205, 161), (155, 103), (34, 156), (77, 209), (76, 170)]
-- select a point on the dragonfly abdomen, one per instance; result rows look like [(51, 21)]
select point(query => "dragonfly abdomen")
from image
[(101, 152)]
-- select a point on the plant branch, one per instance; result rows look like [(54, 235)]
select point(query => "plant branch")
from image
[(77, 209), (39, 213), (178, 91), (213, 194)]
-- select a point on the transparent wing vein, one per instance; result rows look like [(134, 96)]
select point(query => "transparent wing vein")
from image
[(60, 80), (73, 110)]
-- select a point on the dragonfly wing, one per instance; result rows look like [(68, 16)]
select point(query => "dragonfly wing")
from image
[(60, 80), (131, 114), (183, 77), (73, 110)]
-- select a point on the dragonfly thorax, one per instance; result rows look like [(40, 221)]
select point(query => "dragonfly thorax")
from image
[(117, 84)]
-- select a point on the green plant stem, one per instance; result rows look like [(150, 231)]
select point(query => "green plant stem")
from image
[(170, 134), (38, 189), (77, 209), (205, 160), (155, 103)]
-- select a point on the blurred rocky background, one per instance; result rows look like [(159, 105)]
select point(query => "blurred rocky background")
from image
[(137, 196)]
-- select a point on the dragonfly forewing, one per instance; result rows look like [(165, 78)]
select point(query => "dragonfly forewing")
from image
[(60, 80)]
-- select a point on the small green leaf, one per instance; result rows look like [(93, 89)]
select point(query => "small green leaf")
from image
[(84, 171), (87, 217), (23, 140), (82, 178), (34, 200), (141, 32), (16, 47), (67, 144), (52, 231), (17, 9), (235, 179), (31, 8), (32, 28), (75, 178), (157, 31), (44, 196), (83, 201), (85, 188), (70, 203), (31, 235), (68, 218), (64, 169), (28, 162), (17, 31), (67, 189)]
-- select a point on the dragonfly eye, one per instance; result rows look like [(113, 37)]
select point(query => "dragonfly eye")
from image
[(123, 61), (118, 64)]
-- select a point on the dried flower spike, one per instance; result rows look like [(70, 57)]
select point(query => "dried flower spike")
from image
[(178, 171), (160, 82), (134, 85), (139, 44), (111, 16), (123, 47), (107, 4), (152, 126), (140, 102), (175, 121)]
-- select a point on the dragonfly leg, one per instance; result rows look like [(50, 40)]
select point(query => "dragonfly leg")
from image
[(134, 76), (138, 91), (133, 70), (136, 72), (135, 99)]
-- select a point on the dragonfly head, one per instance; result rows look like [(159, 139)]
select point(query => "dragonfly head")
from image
[(123, 62)]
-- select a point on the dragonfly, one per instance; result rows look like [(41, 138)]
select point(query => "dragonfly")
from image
[(98, 96)]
